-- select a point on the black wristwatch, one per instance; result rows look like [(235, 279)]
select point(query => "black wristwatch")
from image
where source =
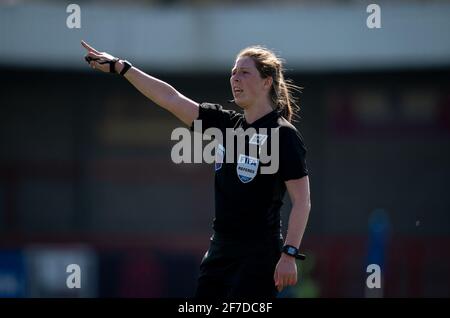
[(293, 251), (126, 66)]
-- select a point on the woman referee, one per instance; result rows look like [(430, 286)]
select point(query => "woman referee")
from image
[(247, 256)]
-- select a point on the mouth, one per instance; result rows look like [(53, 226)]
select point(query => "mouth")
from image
[(237, 90)]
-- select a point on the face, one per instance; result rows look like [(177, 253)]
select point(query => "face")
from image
[(247, 85)]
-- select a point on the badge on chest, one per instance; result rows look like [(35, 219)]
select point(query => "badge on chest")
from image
[(247, 168)]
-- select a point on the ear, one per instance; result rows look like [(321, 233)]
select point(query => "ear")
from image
[(268, 82)]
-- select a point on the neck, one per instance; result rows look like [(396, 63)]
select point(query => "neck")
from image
[(255, 112)]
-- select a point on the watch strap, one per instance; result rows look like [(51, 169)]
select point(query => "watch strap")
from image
[(126, 66)]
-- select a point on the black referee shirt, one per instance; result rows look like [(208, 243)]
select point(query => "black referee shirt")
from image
[(246, 201)]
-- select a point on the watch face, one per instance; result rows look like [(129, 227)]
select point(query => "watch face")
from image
[(291, 250)]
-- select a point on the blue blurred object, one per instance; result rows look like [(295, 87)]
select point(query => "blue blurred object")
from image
[(379, 226), (12, 274)]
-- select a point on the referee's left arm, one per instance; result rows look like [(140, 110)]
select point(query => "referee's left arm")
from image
[(286, 270), (298, 190)]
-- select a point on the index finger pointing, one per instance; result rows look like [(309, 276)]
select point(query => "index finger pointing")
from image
[(88, 47)]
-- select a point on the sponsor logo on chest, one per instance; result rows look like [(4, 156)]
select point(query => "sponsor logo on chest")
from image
[(258, 139)]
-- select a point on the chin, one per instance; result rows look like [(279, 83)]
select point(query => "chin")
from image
[(240, 104)]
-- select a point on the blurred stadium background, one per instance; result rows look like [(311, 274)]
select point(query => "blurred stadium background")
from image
[(85, 169)]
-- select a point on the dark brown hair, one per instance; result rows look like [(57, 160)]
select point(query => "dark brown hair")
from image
[(269, 64)]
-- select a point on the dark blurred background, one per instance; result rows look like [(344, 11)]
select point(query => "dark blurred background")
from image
[(86, 175)]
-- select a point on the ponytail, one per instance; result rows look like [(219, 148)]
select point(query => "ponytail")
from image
[(282, 92)]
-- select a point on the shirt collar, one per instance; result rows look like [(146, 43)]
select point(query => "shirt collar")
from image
[(260, 121)]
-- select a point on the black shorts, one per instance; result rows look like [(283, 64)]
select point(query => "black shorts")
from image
[(239, 268)]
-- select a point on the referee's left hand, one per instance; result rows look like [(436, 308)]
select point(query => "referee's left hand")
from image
[(285, 272)]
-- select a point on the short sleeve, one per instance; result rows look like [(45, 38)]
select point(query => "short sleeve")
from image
[(214, 116), (292, 154)]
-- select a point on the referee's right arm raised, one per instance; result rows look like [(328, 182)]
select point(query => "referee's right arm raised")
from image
[(156, 90)]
